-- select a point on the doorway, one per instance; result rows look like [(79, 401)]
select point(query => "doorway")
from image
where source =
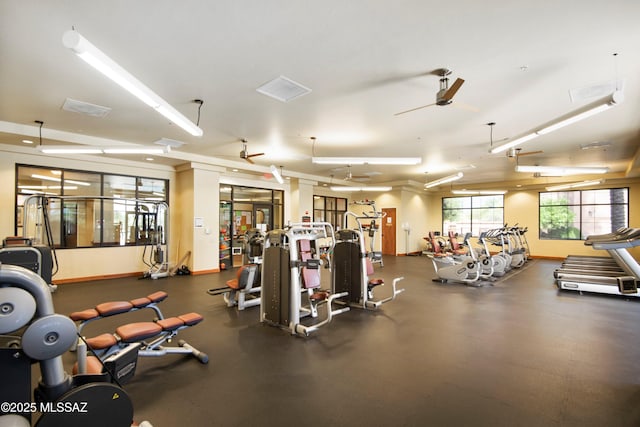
[(389, 231), (263, 217)]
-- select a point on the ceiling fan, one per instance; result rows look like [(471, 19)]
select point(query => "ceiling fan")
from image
[(350, 176), (446, 92), (244, 154), (513, 152), (516, 152)]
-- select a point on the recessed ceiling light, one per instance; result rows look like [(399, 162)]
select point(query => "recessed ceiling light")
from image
[(27, 141), (149, 159)]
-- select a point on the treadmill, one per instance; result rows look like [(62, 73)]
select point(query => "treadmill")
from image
[(624, 282)]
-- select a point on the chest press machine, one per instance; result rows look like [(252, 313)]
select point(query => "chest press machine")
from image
[(291, 278)]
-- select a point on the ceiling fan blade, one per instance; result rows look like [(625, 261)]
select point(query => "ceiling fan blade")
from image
[(414, 109), (256, 154), (528, 153), (249, 160), (453, 89)]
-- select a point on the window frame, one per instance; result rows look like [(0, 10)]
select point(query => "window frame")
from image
[(63, 214), (578, 211), (471, 208)]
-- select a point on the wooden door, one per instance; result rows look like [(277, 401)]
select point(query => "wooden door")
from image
[(389, 231)]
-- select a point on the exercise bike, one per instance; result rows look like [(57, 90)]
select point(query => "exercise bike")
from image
[(462, 269)]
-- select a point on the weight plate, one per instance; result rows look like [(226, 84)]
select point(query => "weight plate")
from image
[(48, 337), (17, 308)]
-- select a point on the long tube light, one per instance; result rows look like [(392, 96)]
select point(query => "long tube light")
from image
[(336, 188), (560, 170), (71, 149), (614, 99), (101, 62), (444, 180), (276, 174), (575, 185), (479, 192), (367, 160)]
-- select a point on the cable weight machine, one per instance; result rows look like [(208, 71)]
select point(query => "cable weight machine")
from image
[(373, 229)]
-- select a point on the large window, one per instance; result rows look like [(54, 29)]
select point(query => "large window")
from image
[(88, 209), (329, 209), (473, 214), (574, 215)]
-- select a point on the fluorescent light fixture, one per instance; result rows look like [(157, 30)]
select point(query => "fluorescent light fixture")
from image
[(367, 160), (68, 149), (79, 149), (137, 150), (513, 143), (560, 170), (360, 188), (444, 180), (614, 99), (575, 185), (276, 174), (479, 192), (101, 62)]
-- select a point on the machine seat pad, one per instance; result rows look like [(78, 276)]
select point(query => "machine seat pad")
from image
[(102, 341), (191, 319), (88, 314), (319, 296), (170, 324), (233, 284), (113, 307), (138, 331), (375, 282)]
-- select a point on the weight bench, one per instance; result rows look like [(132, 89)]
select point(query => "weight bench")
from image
[(112, 308), (138, 339), (241, 290)]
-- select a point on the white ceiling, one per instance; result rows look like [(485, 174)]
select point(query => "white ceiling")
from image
[(363, 60)]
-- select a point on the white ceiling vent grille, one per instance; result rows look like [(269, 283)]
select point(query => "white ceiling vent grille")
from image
[(599, 90), (85, 108), (283, 89)]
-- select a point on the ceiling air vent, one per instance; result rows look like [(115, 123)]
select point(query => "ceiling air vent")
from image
[(283, 89), (85, 108)]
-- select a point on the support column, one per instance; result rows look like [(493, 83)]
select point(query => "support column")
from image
[(197, 209)]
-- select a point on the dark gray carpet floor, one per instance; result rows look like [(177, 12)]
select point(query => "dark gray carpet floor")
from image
[(518, 353)]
